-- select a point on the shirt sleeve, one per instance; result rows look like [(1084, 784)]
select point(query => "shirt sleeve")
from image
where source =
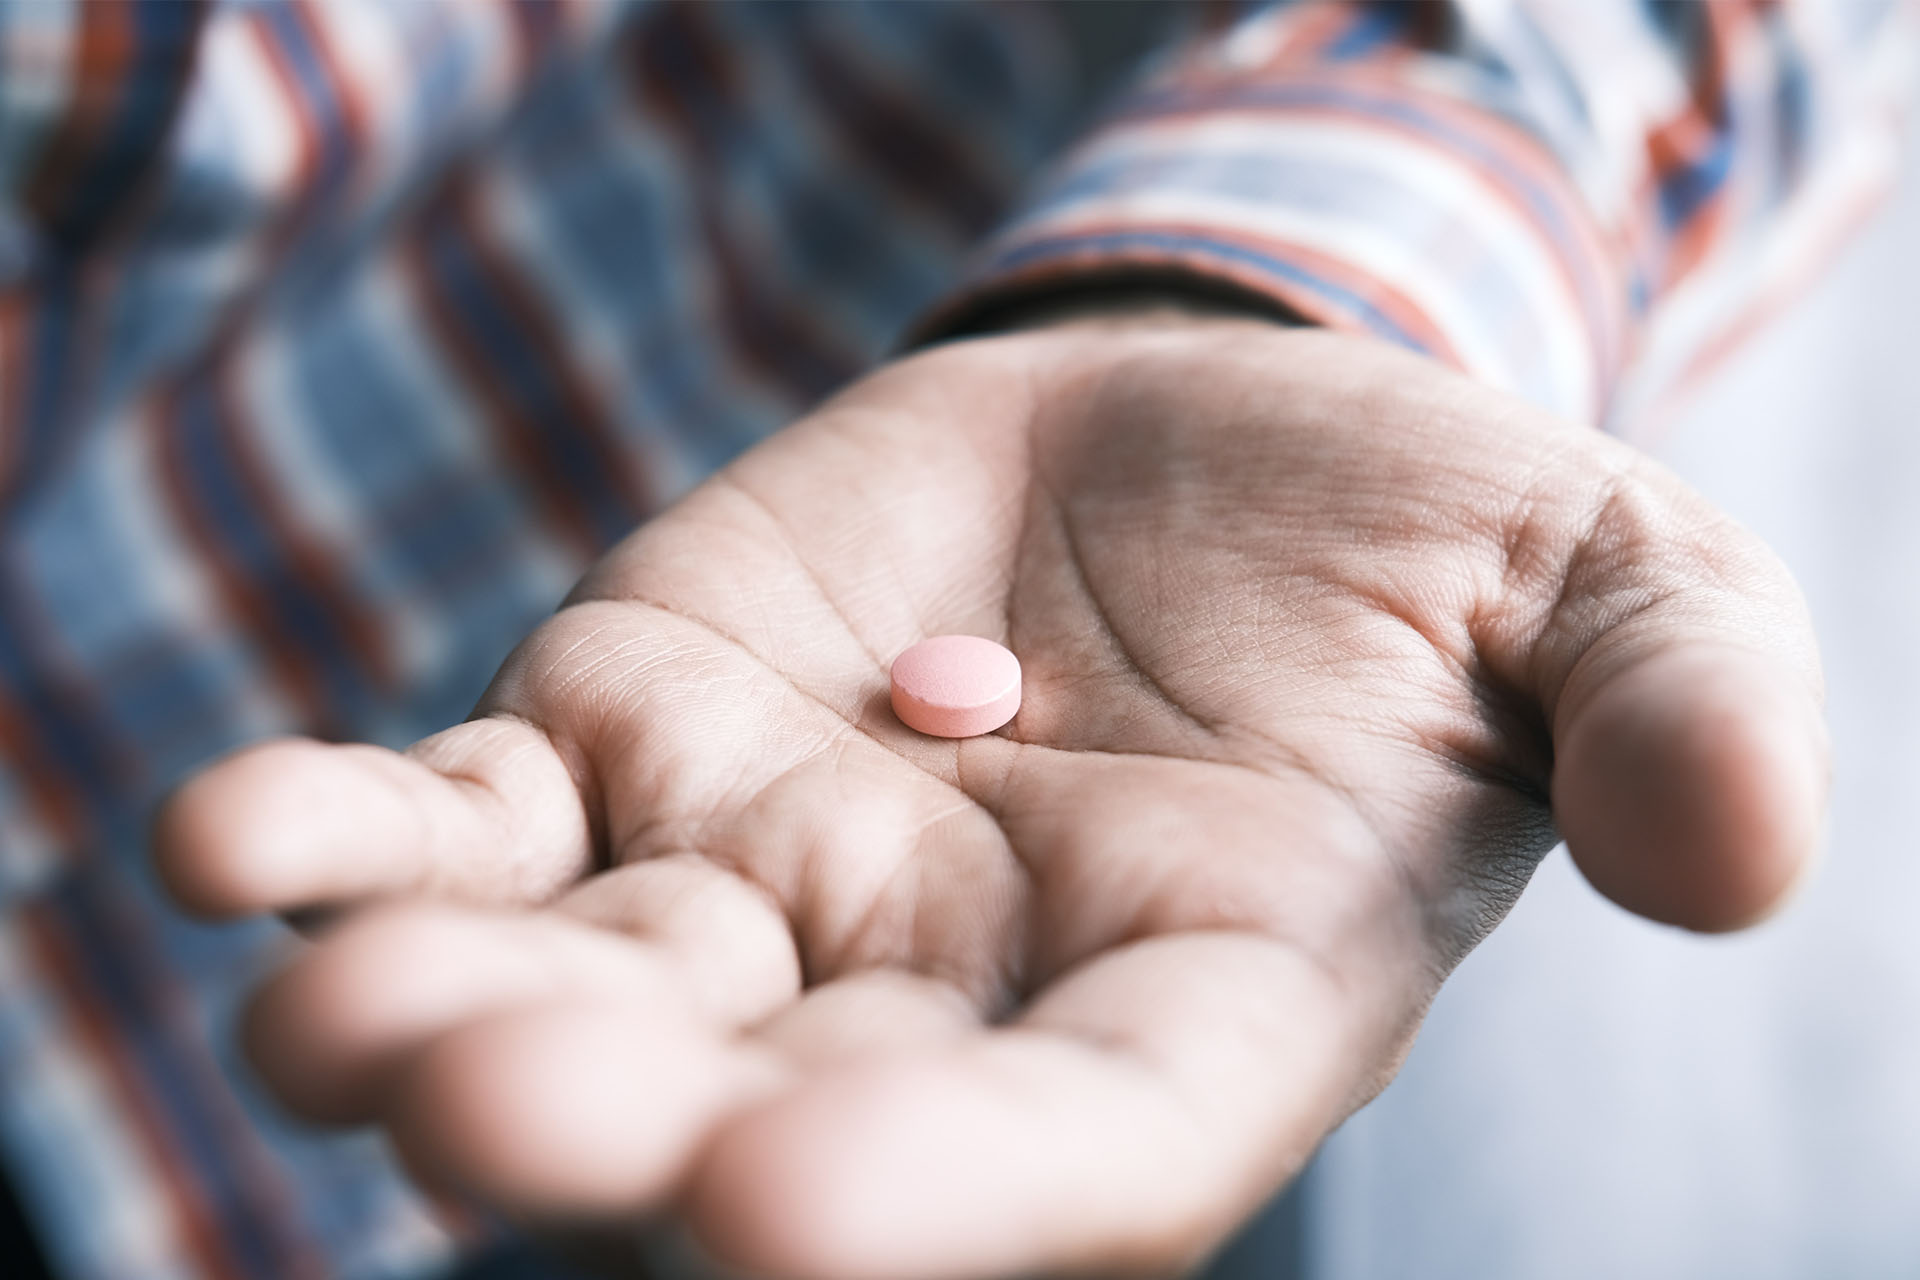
[(1582, 203)]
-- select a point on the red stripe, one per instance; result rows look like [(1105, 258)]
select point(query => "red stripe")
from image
[(350, 137), (75, 761), (13, 426), (104, 61), (767, 332), (1406, 314), (1217, 16), (1593, 282), (455, 209), (126, 80), (52, 797), (469, 368), (299, 208), (296, 671), (312, 566), (102, 57), (59, 968), (353, 110), (1309, 32), (545, 331), (306, 132), (536, 25), (274, 504), (1686, 137)]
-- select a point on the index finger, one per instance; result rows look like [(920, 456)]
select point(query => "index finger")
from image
[(487, 811)]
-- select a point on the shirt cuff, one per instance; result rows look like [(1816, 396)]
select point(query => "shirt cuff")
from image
[(1359, 199)]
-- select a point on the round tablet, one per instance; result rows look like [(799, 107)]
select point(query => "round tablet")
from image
[(956, 686)]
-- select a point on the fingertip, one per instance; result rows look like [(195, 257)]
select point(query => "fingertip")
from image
[(216, 838), (781, 1190), (1691, 787), (490, 1109), (889, 1170)]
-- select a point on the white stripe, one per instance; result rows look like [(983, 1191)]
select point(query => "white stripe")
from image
[(236, 120), (378, 75), (236, 132)]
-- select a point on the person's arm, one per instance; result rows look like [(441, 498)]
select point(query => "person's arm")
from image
[(1580, 203), (1324, 647)]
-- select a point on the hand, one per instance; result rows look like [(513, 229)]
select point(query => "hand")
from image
[(1320, 642)]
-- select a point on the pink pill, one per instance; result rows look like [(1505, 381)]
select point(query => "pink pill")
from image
[(956, 686)]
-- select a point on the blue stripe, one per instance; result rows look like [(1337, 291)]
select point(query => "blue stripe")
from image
[(158, 687), (537, 402), (79, 746), (322, 97), (163, 34), (450, 532), (1793, 113), (615, 233), (1488, 162), (1378, 24), (222, 496), (44, 399), (1683, 191)]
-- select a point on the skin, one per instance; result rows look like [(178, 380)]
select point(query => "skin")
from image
[(1324, 645)]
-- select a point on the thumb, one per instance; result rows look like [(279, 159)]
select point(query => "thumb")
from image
[(1690, 752)]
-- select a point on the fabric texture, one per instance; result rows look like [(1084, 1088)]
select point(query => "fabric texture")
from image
[(336, 338), (1583, 204)]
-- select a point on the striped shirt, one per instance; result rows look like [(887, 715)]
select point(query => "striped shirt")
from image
[(336, 337)]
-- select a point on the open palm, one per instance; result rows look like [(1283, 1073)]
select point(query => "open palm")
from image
[(1319, 641)]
